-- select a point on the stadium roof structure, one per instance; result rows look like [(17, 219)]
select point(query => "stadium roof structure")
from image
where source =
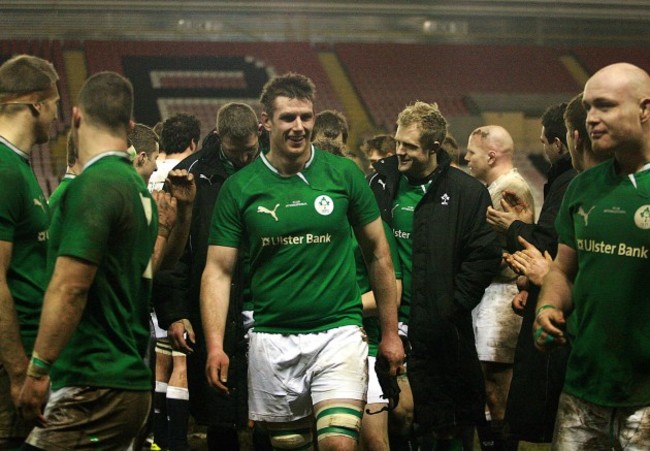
[(543, 22)]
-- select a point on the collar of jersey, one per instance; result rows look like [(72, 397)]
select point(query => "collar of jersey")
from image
[(110, 153), (299, 174), (20, 153)]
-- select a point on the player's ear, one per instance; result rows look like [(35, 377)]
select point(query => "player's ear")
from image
[(266, 120), (645, 109)]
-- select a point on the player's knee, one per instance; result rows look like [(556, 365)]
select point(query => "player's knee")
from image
[(341, 421), (291, 439)]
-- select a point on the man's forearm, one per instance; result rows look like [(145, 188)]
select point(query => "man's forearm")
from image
[(215, 299), (158, 254), (556, 290), (382, 280), (12, 352), (178, 236), (63, 307)]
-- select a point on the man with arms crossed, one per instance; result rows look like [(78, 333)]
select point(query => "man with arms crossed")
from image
[(292, 209), (28, 106), (94, 327), (600, 274)]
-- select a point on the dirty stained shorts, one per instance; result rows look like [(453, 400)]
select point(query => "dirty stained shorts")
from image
[(496, 326), (288, 374), (92, 418), (581, 425)]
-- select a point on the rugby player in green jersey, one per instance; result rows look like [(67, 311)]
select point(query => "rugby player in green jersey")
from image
[(600, 274), (28, 107), (94, 328), (292, 210)]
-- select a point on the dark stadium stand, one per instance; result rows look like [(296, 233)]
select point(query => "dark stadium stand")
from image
[(593, 58), (196, 70), (199, 77), (388, 76)]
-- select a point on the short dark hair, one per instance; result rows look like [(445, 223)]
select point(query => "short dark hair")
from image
[(237, 120), (553, 122), (291, 85), (329, 145), (107, 100), (450, 145), (429, 120), (383, 144), (23, 75), (178, 132), (575, 116), (331, 123), (143, 139)]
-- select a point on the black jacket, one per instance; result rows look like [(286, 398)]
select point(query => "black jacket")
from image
[(542, 235), (207, 405), (538, 378), (455, 257)]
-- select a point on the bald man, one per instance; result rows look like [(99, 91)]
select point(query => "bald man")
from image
[(490, 151), (600, 274)]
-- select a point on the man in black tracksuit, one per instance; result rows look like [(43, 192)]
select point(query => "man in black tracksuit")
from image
[(222, 155), (454, 256)]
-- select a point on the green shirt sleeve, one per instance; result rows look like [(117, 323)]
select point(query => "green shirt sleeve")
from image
[(227, 226), (363, 206)]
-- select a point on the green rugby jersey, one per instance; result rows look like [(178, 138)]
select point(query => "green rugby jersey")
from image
[(297, 232), (55, 197), (605, 217), (24, 221), (407, 198), (371, 323), (107, 217)]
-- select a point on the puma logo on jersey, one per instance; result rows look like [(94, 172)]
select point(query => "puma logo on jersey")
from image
[(38, 203), (266, 211), (584, 215), (382, 183)]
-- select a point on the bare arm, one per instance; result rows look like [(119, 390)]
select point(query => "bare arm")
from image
[(63, 306), (555, 299), (376, 253), (215, 298), (167, 214), (369, 303), (182, 187), (12, 352)]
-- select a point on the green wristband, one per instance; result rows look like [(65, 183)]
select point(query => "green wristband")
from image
[(38, 367), (40, 363), (544, 307)]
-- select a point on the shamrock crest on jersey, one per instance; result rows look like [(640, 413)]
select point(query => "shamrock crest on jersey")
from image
[(324, 205), (261, 209), (642, 217)]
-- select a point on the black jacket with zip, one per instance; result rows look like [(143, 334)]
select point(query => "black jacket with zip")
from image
[(207, 405), (455, 257)]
